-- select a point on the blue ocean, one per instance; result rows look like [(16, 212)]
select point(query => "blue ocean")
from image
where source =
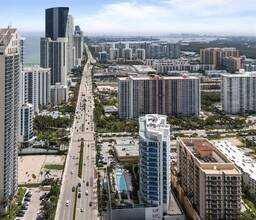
[(32, 48)]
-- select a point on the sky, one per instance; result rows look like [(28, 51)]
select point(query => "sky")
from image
[(138, 17)]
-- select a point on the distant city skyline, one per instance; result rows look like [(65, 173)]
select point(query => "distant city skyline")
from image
[(138, 17)]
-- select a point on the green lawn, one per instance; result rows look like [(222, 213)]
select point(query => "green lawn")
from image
[(54, 166)]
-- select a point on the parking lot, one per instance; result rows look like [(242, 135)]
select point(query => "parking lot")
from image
[(34, 205)]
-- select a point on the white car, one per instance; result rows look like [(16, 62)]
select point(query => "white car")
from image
[(67, 202), (72, 171)]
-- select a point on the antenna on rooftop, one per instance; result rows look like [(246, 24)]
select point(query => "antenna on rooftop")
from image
[(9, 26)]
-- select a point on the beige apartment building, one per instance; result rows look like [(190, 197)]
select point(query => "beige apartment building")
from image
[(216, 55), (210, 181)]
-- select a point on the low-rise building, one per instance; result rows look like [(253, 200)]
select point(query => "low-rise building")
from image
[(246, 164)]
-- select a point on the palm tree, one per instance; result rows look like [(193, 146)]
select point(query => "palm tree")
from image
[(47, 174)]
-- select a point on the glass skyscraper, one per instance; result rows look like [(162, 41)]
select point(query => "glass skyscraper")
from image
[(154, 163)]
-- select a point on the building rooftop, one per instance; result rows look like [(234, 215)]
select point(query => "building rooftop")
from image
[(143, 69), (157, 77), (208, 156), (243, 162), (204, 151), (126, 148), (110, 109), (6, 35)]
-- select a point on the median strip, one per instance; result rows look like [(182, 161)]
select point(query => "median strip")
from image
[(80, 167)]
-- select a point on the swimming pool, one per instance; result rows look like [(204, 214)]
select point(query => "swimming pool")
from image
[(121, 184)]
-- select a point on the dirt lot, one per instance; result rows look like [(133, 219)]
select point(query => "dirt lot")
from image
[(31, 168)]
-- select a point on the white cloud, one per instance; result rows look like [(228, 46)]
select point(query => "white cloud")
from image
[(170, 16)]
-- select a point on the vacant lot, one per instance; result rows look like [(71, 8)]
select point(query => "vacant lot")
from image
[(32, 169)]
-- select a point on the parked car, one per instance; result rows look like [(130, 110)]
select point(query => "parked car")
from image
[(27, 199), (79, 195), (24, 207), (73, 189), (28, 194), (25, 204), (90, 203), (79, 184), (19, 214)]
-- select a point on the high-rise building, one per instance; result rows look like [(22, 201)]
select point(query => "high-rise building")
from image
[(54, 56), (113, 53), (35, 87), (71, 47), (59, 94), (154, 51), (127, 53), (140, 54), (120, 46), (232, 63), (26, 125), (154, 142), (238, 93), (56, 20), (103, 56), (173, 50), (216, 55), (56, 50), (210, 181), (78, 44), (10, 114), (138, 95)]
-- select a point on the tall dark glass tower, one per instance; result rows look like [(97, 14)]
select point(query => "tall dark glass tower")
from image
[(56, 22), (54, 50)]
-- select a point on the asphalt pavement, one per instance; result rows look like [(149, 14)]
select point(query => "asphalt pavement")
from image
[(83, 128)]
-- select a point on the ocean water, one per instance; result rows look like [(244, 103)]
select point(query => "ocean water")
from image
[(32, 47)]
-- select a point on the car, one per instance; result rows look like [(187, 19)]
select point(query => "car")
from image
[(82, 209), (28, 194), (79, 195), (79, 189), (45, 197), (88, 144), (86, 192), (87, 183), (67, 202), (84, 180), (25, 204), (27, 199), (24, 207), (79, 184), (90, 203), (22, 211), (84, 164), (72, 171), (19, 214), (74, 157), (73, 189)]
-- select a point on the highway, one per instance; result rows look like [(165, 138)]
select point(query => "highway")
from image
[(83, 128)]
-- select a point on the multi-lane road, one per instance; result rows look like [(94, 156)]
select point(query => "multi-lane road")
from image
[(82, 129)]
